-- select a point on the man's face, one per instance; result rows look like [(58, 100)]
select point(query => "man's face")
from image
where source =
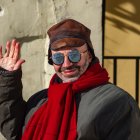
[(69, 71)]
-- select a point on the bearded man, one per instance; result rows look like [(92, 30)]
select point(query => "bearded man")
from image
[(80, 103)]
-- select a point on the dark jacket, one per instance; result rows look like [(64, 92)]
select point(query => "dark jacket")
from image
[(104, 113)]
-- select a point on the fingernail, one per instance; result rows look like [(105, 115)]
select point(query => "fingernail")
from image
[(8, 42), (13, 41), (17, 43)]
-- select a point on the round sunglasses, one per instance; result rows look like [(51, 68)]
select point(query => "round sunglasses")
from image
[(74, 56)]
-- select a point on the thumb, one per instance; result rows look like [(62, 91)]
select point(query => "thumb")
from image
[(18, 64)]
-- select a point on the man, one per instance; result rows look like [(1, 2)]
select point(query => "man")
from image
[(80, 103)]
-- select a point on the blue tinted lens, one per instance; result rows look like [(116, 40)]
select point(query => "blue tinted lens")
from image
[(58, 58), (74, 56)]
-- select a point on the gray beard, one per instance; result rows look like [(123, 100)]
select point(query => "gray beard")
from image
[(72, 79), (66, 80)]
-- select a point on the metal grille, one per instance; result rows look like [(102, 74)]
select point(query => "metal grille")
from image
[(137, 74)]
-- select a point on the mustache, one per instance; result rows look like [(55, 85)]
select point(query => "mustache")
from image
[(69, 68)]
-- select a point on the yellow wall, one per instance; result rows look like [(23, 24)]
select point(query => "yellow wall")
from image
[(122, 38)]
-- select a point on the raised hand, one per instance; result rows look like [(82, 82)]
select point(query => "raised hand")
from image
[(11, 59)]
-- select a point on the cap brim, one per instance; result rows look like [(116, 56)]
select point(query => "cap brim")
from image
[(67, 42)]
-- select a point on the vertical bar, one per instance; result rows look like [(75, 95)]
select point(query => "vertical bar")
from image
[(115, 71), (103, 30), (137, 80)]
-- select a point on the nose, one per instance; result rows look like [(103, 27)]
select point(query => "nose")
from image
[(67, 62)]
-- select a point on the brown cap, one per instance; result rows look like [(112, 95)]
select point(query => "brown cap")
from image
[(69, 33)]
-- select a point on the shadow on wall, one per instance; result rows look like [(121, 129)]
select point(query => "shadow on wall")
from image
[(126, 14)]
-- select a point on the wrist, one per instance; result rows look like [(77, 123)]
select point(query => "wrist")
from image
[(4, 71)]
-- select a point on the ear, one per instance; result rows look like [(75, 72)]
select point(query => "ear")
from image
[(89, 56)]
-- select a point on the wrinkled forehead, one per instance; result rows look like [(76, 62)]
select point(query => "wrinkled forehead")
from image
[(69, 48)]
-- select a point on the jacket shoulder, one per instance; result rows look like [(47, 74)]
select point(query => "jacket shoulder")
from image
[(37, 97)]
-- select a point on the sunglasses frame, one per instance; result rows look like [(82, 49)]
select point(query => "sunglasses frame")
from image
[(69, 57)]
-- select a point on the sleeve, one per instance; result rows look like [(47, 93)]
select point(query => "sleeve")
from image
[(120, 120), (12, 105)]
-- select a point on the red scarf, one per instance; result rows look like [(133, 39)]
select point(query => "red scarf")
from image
[(56, 118)]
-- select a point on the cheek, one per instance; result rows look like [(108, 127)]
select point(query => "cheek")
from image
[(57, 68), (84, 63), (84, 60)]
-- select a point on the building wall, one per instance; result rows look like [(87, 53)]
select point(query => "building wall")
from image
[(28, 21)]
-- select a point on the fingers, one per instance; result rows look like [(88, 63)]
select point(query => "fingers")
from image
[(7, 49), (18, 64), (12, 48), (11, 60), (16, 52), (0, 52)]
